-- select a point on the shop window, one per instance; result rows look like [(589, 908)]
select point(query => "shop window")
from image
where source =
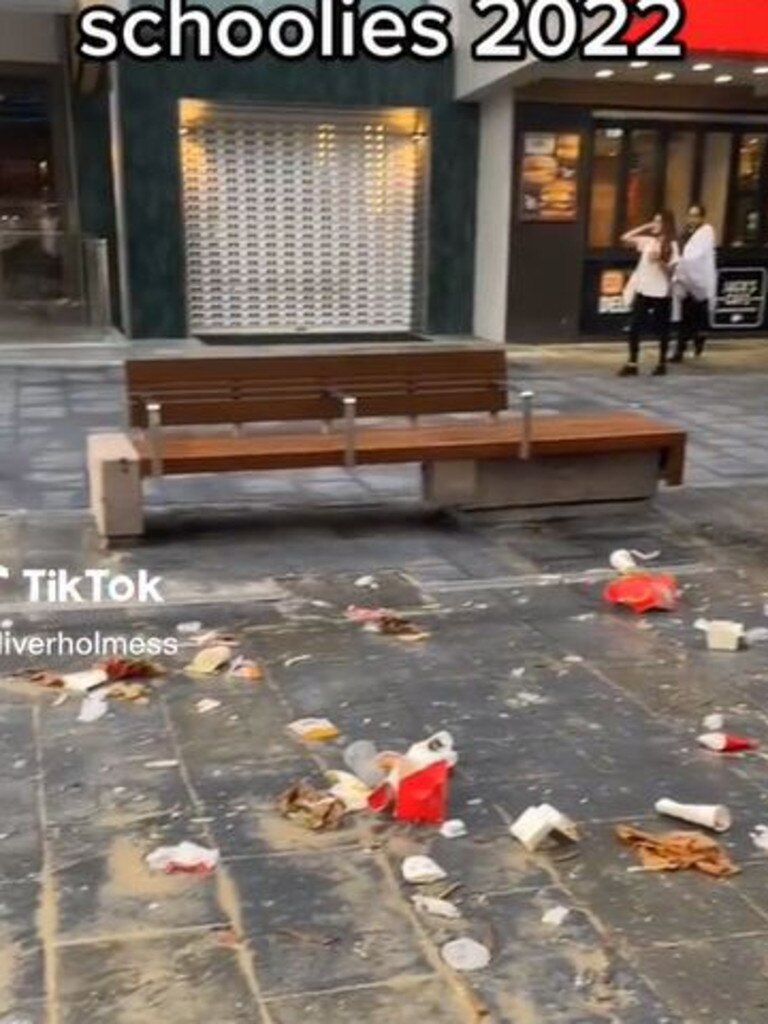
[(747, 213), (680, 163), (606, 170), (642, 178), (715, 177)]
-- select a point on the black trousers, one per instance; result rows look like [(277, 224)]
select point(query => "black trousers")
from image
[(693, 324), (653, 316)]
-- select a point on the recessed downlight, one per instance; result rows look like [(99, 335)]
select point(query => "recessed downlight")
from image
[(702, 67), (664, 76), (724, 79), (637, 64), (605, 73), (761, 69)]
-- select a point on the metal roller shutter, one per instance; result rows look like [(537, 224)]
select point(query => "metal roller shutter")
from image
[(300, 221)]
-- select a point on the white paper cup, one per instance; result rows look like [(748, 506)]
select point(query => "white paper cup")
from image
[(714, 816), (623, 561)]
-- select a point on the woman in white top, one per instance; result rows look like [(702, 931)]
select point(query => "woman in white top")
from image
[(652, 285), (695, 281)]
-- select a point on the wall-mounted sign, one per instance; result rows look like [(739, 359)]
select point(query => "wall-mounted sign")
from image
[(549, 170), (611, 292), (741, 298)]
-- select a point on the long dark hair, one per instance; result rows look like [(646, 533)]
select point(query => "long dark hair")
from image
[(668, 234)]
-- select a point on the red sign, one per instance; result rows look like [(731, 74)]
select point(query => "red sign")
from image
[(735, 28), (738, 27)]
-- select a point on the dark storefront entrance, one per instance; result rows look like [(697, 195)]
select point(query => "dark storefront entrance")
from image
[(584, 174)]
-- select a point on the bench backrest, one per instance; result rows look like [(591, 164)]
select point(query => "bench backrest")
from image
[(307, 387)]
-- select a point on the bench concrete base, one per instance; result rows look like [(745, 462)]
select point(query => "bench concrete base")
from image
[(556, 480), (115, 485)]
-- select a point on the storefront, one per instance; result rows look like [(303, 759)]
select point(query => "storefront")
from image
[(573, 155)]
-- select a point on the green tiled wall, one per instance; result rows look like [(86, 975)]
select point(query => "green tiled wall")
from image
[(149, 95)]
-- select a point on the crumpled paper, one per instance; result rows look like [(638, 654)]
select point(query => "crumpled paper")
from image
[(314, 809), (677, 851)]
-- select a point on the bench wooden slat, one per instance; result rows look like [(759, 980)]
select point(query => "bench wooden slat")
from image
[(552, 435), (291, 388)]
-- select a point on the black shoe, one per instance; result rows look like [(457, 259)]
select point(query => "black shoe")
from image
[(628, 370), (698, 346), (660, 371)]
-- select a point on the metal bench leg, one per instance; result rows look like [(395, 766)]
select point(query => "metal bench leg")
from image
[(350, 413), (154, 433), (526, 397)]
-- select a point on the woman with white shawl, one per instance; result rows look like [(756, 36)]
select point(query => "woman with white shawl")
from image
[(695, 282)]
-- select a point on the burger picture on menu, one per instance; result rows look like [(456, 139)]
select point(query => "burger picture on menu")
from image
[(548, 179)]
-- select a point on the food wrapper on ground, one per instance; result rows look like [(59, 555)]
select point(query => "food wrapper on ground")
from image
[(244, 668), (186, 858), (136, 693), (644, 592), (209, 660), (313, 730), (678, 851), (119, 669), (388, 623), (43, 677), (352, 791), (312, 808)]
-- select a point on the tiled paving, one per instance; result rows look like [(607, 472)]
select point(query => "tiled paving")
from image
[(550, 696)]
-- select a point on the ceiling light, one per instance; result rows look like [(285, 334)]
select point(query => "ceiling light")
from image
[(702, 67), (722, 79), (605, 73), (639, 64), (761, 69), (664, 76)]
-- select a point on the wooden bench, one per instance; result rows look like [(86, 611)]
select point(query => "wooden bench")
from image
[(210, 415)]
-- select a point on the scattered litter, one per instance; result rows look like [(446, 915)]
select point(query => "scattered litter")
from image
[(453, 829), (186, 858), (435, 907), (517, 673), (556, 916), (585, 617), (42, 677), (133, 693), (311, 808), (536, 824), (209, 660), (677, 851), (207, 704), (123, 669), (466, 955), (161, 764), (368, 582), (361, 758), (352, 792), (82, 682), (726, 743), (420, 870), (573, 659), (438, 747), (714, 723), (526, 699), (380, 620), (313, 730), (227, 938), (419, 796), (758, 635), (625, 562), (714, 816), (644, 592), (722, 634), (189, 628), (93, 708), (759, 836), (296, 660), (214, 637), (244, 668)]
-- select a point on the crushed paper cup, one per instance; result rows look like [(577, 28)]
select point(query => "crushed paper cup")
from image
[(724, 635), (714, 722), (726, 743), (714, 816)]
